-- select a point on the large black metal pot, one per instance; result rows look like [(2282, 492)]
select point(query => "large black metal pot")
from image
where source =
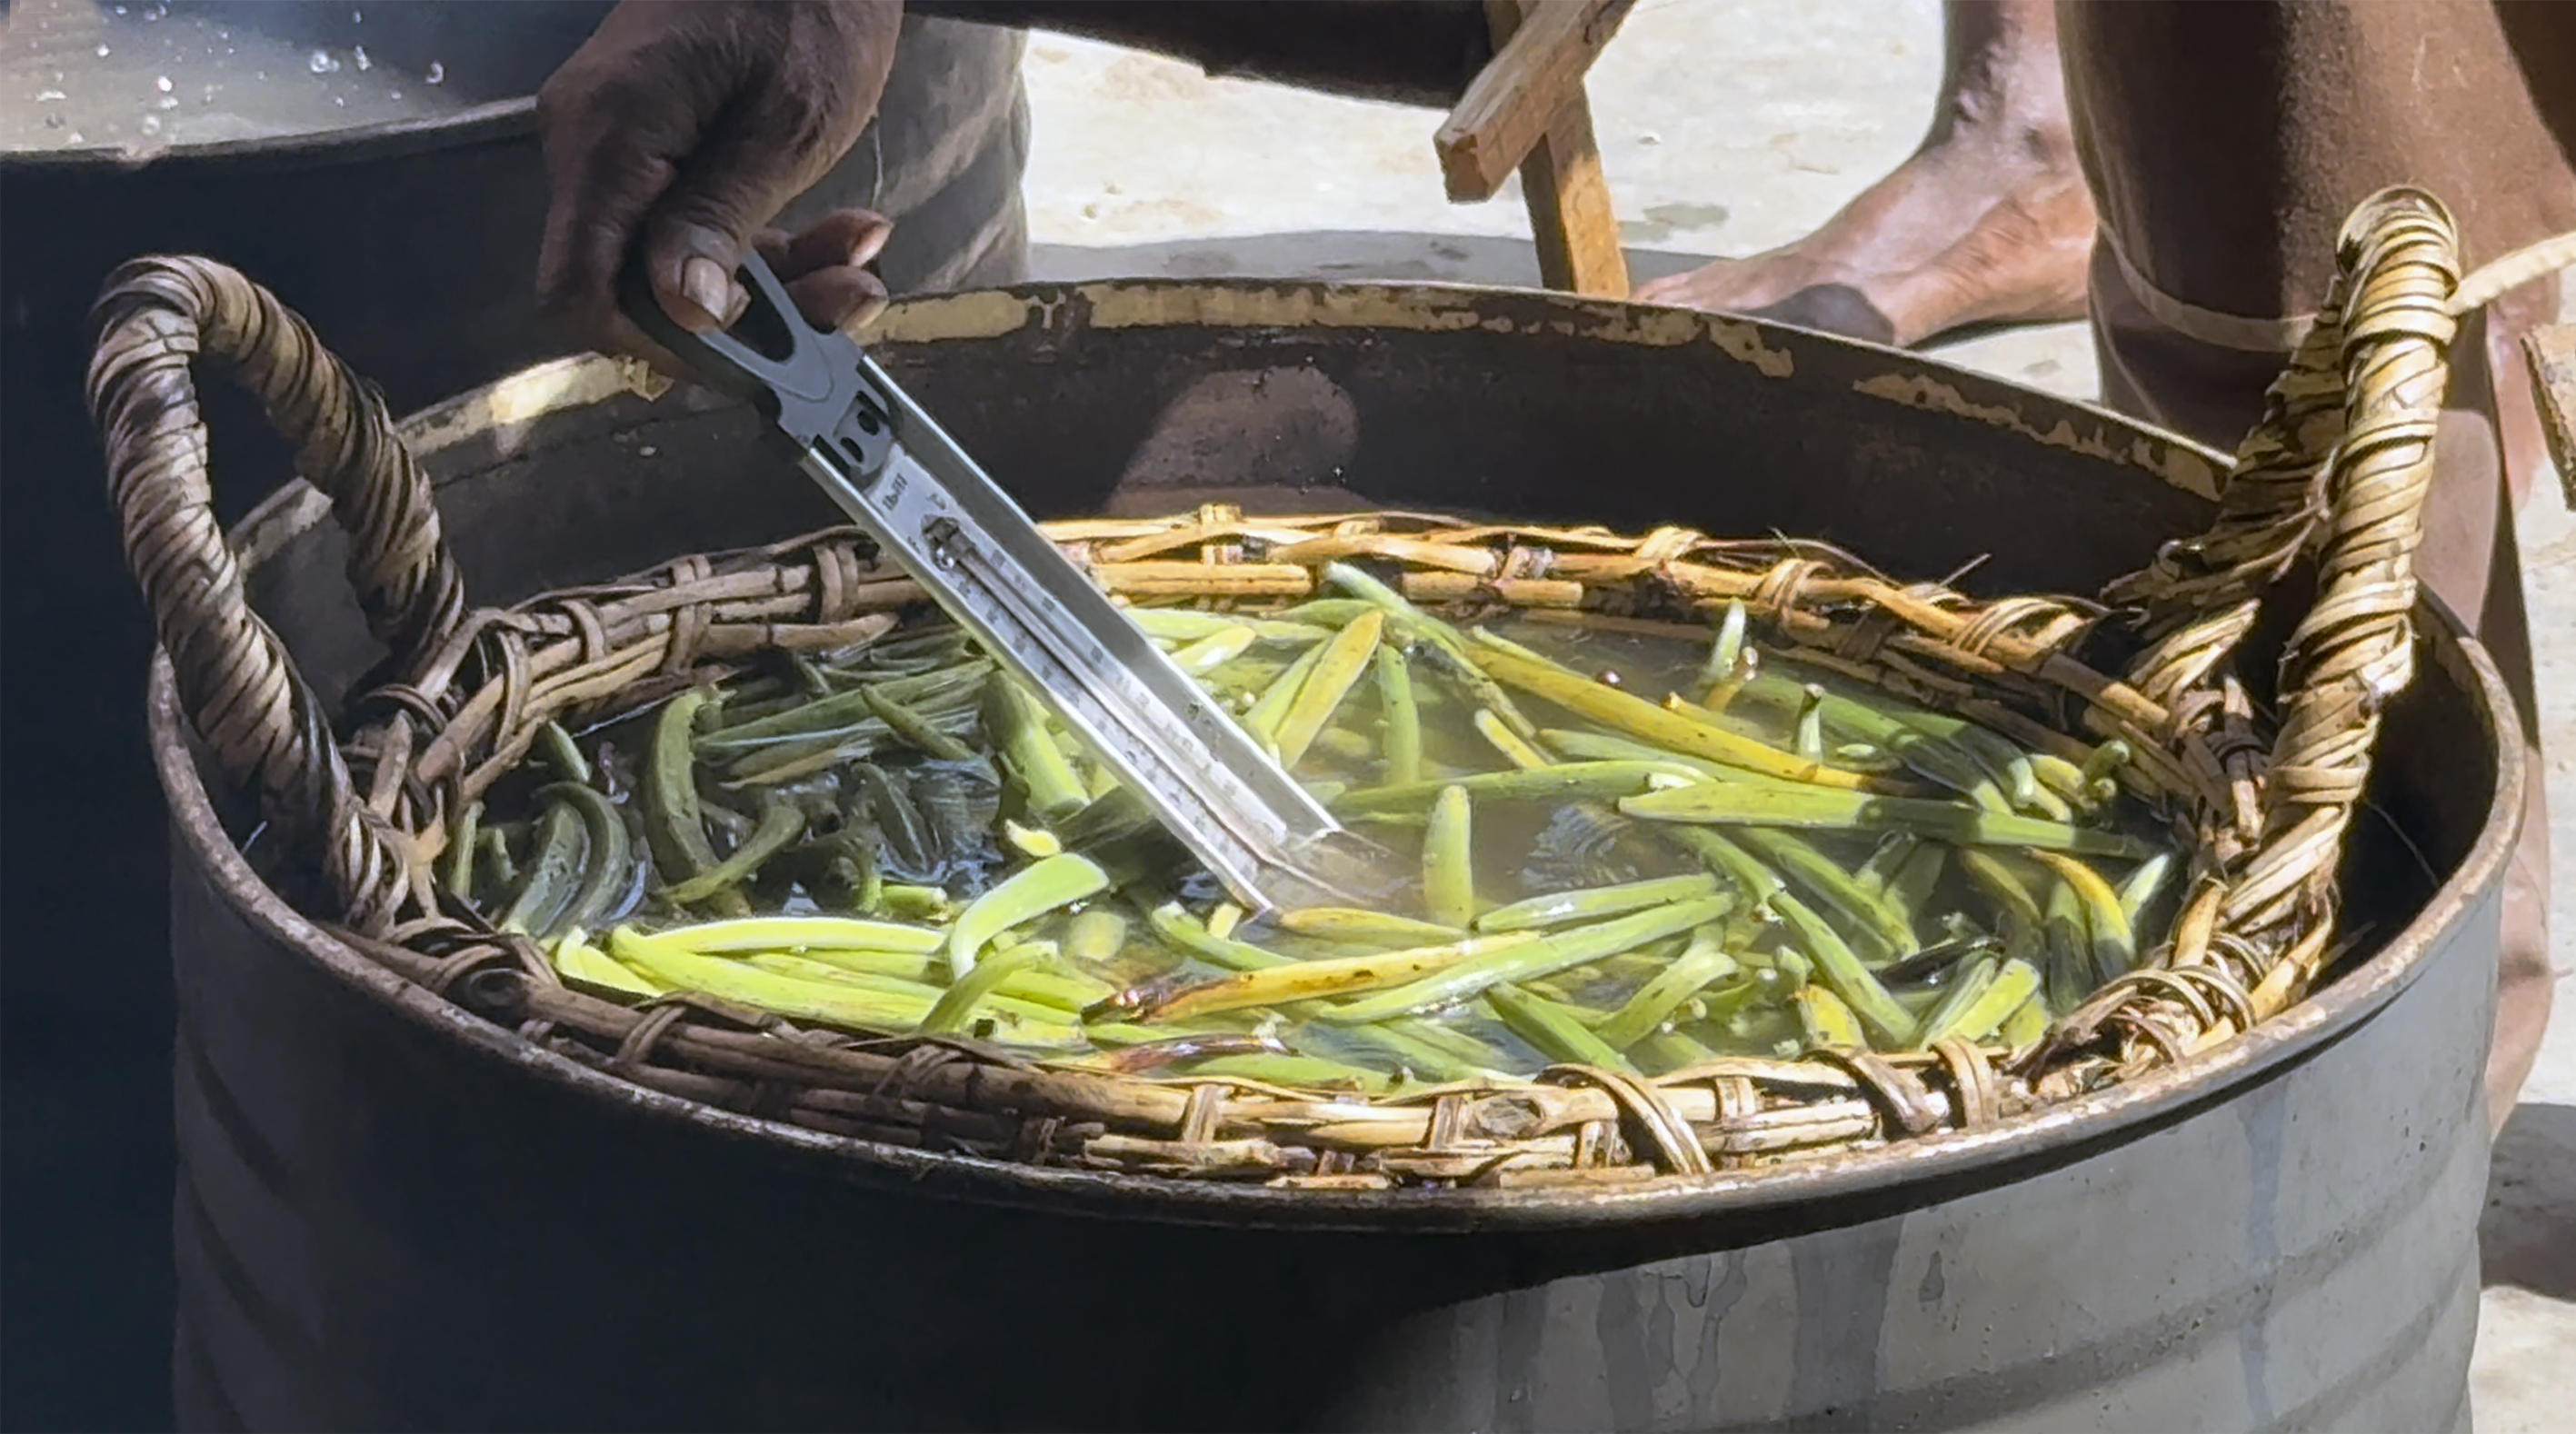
[(395, 1215)]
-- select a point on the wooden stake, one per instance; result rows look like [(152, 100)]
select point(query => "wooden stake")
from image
[(1527, 109), (2552, 351)]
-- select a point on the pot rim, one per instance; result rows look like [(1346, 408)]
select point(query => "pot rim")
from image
[(316, 149), (2053, 1133)]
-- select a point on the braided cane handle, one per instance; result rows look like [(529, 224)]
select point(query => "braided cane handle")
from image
[(2338, 467), (266, 729)]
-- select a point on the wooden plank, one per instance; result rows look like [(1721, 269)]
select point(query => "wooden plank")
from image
[(1514, 101), (1569, 208), (1561, 183), (2552, 351)]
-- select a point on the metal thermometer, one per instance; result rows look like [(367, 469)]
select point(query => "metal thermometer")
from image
[(908, 485)]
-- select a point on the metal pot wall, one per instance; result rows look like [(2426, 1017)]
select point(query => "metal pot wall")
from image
[(395, 1215)]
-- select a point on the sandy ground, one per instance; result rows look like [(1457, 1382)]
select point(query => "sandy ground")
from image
[(1726, 126)]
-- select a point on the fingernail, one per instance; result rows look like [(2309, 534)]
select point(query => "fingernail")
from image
[(703, 282), (872, 242)]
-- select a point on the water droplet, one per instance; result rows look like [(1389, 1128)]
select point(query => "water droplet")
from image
[(119, 9), (75, 137), (342, 101), (53, 121), (360, 55), (104, 52), (259, 74), (393, 94), (649, 451), (47, 97), (162, 83), (169, 102), (357, 18), (322, 64), (151, 124), (436, 74)]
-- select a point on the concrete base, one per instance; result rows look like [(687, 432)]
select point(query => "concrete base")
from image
[(1727, 127)]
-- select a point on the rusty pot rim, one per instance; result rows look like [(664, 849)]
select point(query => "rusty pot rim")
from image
[(2054, 1131)]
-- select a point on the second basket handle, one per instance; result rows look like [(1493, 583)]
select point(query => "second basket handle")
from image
[(2340, 465), (265, 727)]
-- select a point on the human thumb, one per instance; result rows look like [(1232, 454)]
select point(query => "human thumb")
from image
[(705, 222), (691, 265)]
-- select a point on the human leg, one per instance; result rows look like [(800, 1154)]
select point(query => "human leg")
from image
[(1987, 221), (2225, 143)]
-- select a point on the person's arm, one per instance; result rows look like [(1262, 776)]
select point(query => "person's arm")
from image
[(1417, 52)]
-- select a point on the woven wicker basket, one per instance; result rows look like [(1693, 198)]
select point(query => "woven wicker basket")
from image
[(2337, 471)]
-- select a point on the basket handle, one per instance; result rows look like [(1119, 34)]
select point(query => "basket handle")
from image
[(2339, 465), (264, 726)]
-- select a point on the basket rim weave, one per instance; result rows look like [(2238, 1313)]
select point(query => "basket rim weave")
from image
[(394, 778), (398, 978)]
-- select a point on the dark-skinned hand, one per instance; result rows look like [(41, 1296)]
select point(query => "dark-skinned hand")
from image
[(679, 130)]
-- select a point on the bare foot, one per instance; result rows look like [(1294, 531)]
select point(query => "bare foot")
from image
[(1988, 222)]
